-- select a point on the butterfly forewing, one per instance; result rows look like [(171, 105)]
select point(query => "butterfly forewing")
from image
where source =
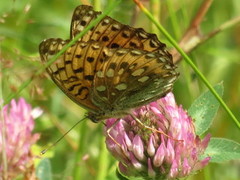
[(82, 16), (68, 70), (113, 33)]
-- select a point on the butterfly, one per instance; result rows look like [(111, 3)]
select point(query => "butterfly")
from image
[(111, 69)]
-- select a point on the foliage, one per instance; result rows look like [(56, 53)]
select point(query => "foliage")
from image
[(82, 154)]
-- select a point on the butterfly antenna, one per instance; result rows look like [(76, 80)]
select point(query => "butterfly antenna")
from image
[(54, 144)]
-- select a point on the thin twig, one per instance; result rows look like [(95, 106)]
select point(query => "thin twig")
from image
[(134, 16), (192, 34), (197, 40)]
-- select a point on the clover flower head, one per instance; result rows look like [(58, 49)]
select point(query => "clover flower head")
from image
[(16, 137), (157, 141)]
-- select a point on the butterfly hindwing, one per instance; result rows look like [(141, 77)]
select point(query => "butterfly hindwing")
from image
[(130, 78)]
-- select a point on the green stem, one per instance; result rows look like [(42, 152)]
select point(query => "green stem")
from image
[(111, 6), (155, 6), (103, 161), (97, 5), (78, 171), (189, 61), (173, 18), (3, 156), (207, 173)]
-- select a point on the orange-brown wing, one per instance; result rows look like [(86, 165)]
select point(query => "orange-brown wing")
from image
[(82, 16), (106, 80), (73, 71), (113, 33)]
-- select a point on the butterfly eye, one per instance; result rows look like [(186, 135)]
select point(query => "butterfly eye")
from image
[(111, 69)]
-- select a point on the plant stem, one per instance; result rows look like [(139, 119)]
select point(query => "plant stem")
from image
[(189, 61)]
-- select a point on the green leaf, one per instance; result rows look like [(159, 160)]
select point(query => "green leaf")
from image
[(138, 178), (220, 150), (44, 171), (204, 109), (120, 175), (123, 177)]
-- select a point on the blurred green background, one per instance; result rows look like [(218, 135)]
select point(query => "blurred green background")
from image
[(82, 154)]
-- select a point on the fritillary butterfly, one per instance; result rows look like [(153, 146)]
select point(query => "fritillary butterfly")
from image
[(111, 69)]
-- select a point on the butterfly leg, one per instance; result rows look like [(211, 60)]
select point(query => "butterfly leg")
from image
[(116, 145), (109, 130), (152, 129)]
